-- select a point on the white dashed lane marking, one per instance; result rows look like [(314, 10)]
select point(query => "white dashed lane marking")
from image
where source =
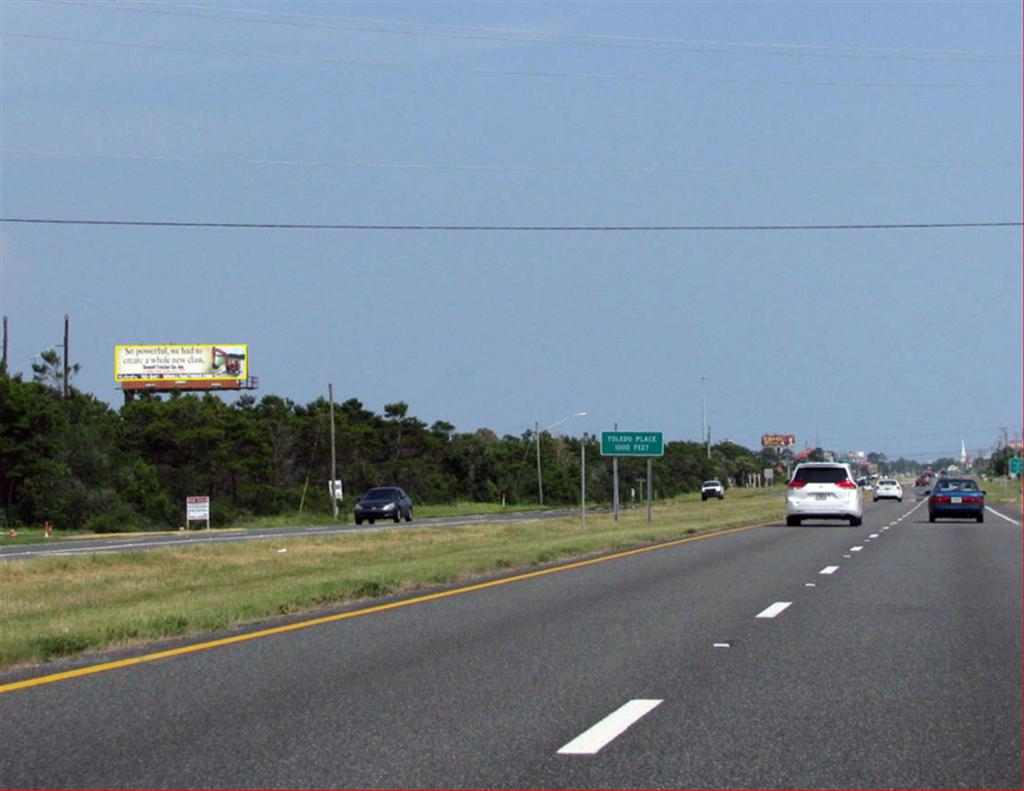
[(774, 610), (829, 570), (612, 726)]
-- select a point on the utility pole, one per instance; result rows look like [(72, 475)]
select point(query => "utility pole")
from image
[(64, 392), (703, 415), (3, 360), (334, 466)]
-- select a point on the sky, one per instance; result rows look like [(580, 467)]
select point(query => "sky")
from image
[(525, 115)]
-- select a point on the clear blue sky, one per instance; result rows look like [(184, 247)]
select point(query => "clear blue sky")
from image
[(567, 114)]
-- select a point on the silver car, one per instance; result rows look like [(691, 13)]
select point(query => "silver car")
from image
[(823, 490)]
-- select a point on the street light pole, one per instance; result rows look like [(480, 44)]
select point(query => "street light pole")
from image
[(583, 481), (540, 481)]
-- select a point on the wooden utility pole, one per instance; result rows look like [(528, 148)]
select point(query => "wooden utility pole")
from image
[(65, 390), (3, 360), (334, 466)]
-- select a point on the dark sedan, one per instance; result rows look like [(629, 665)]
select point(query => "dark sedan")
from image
[(384, 502), (958, 498)]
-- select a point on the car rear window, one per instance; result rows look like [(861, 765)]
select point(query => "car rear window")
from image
[(820, 475), (964, 486), (887, 483)]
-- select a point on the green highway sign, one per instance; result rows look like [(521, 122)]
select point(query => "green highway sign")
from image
[(632, 443), (1016, 465)]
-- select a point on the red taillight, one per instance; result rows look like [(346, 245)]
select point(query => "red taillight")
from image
[(940, 498), (847, 484), (797, 484), (974, 500)]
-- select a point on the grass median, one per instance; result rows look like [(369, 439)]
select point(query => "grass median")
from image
[(53, 607)]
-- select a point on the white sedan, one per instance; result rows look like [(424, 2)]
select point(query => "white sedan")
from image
[(888, 489)]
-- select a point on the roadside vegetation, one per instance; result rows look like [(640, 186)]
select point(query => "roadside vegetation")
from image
[(54, 607), (82, 466), (1002, 490)]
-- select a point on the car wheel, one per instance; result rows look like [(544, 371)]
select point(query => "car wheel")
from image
[(408, 514), (900, 500), (398, 515), (931, 517), (792, 521), (703, 497), (359, 520), (371, 521), (980, 517), (855, 521), (875, 500)]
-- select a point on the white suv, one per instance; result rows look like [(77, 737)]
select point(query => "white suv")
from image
[(823, 490), (888, 488), (712, 489)]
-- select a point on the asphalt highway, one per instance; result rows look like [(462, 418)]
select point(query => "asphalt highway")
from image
[(819, 656)]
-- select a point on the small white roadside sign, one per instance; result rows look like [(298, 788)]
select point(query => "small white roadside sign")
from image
[(197, 509)]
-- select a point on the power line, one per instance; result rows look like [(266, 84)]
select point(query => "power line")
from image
[(520, 36), (667, 78), (519, 228), (498, 168)]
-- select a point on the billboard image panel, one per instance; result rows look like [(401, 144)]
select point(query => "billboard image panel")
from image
[(199, 362), (778, 440)]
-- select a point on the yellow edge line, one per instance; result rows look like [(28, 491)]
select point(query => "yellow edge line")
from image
[(293, 627)]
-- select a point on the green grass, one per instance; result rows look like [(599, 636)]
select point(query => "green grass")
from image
[(59, 606), (1001, 490)]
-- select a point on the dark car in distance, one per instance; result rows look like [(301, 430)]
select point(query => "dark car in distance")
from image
[(383, 502), (957, 498)]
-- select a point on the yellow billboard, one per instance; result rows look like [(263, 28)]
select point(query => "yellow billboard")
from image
[(187, 362)]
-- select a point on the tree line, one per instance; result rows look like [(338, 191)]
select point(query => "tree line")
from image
[(73, 460), (76, 462)]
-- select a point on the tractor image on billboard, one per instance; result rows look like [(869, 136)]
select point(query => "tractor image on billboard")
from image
[(226, 363)]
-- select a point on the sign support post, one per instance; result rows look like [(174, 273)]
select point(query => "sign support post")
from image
[(633, 443), (650, 477)]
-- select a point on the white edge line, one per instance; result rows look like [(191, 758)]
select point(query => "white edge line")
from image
[(829, 570), (612, 726), (775, 609), (1002, 516)]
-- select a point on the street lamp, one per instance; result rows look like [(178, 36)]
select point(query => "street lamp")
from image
[(583, 481), (537, 431)]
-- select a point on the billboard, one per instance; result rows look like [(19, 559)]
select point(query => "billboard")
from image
[(192, 362), (778, 440)]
